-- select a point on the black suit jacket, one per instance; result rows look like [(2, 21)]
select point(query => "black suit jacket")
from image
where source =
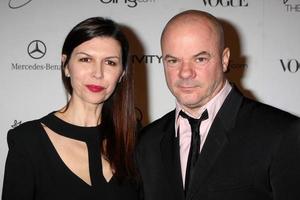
[(252, 152)]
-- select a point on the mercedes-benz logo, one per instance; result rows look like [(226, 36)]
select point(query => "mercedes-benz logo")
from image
[(36, 49), (14, 4)]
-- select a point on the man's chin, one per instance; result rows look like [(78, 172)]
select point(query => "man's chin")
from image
[(190, 104)]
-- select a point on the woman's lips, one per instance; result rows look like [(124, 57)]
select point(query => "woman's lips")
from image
[(95, 88)]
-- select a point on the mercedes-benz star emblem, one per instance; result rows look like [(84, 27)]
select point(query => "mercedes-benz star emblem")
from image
[(36, 49)]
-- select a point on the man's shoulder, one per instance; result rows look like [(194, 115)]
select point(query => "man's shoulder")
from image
[(161, 122), (251, 107), (268, 119), (266, 110), (157, 127)]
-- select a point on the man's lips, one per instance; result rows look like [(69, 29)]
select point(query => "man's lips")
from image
[(187, 86)]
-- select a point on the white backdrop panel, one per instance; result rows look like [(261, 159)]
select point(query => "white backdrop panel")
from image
[(262, 34)]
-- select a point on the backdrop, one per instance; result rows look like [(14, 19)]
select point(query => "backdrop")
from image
[(263, 36)]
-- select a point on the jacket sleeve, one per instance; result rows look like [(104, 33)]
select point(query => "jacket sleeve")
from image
[(285, 168), (18, 181)]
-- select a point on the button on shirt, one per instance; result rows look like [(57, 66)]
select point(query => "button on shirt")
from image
[(182, 125)]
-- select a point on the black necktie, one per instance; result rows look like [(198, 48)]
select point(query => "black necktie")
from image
[(194, 146)]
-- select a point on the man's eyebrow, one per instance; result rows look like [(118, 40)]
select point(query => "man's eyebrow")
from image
[(202, 53), (170, 56)]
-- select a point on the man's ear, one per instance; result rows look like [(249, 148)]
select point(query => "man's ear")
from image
[(225, 59), (66, 68)]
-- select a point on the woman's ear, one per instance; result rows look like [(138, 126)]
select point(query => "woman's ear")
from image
[(120, 79), (66, 68)]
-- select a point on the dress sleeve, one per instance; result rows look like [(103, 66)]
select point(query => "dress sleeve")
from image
[(19, 172)]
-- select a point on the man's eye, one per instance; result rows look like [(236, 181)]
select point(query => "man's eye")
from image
[(171, 61), (202, 60), (84, 59)]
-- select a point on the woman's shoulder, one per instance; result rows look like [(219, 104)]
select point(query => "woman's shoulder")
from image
[(23, 128), (26, 134)]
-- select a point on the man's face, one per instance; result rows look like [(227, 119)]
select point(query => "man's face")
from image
[(193, 62)]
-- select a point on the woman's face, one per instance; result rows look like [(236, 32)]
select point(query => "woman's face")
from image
[(94, 68)]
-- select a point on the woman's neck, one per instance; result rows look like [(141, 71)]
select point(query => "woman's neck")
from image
[(81, 114)]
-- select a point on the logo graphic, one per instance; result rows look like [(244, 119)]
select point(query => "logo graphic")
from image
[(146, 59), (292, 5), (290, 1), (237, 65), (226, 3), (36, 49), (129, 3), (15, 4), (290, 65), (16, 123)]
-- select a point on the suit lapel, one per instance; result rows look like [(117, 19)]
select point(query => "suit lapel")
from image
[(215, 141), (170, 156)]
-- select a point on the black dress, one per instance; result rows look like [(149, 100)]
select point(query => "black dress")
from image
[(35, 171)]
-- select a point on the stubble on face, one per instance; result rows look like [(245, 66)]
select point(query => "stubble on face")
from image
[(210, 81)]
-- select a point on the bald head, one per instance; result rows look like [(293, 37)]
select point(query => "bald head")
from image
[(194, 17), (194, 58)]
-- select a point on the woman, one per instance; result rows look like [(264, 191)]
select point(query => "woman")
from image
[(85, 149)]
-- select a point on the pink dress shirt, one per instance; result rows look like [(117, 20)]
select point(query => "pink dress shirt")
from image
[(212, 107)]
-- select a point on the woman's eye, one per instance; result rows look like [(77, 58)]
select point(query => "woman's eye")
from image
[(84, 59), (110, 62)]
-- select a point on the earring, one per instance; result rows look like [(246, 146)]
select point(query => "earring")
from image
[(68, 75)]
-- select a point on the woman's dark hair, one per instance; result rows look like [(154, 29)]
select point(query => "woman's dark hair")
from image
[(118, 112)]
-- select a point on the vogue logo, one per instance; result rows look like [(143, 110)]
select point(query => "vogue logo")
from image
[(292, 5), (290, 65), (226, 3), (129, 3), (14, 4)]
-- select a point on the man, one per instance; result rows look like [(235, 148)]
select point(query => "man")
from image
[(245, 150)]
